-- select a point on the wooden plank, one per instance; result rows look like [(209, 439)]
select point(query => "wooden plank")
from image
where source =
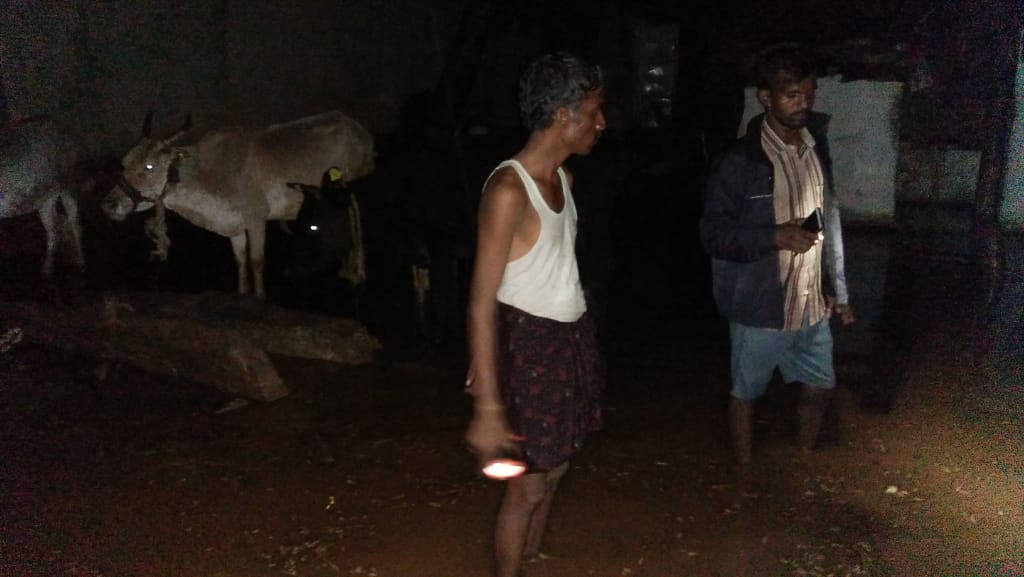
[(218, 339)]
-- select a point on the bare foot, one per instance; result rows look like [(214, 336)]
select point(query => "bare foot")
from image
[(536, 557), (747, 486)]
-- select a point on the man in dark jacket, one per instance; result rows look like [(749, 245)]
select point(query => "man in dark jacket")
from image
[(775, 280)]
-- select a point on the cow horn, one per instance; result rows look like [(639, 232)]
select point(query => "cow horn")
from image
[(185, 127), (147, 125)]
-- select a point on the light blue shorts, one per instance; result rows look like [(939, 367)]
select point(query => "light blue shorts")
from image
[(803, 355)]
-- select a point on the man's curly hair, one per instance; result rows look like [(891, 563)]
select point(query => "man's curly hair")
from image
[(554, 81)]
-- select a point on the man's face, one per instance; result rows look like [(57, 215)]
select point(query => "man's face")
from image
[(789, 102), (585, 124)]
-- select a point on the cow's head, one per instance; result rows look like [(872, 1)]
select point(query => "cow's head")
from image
[(122, 201), (323, 234), (147, 165)]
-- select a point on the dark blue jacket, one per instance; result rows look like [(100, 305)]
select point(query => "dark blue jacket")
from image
[(737, 229)]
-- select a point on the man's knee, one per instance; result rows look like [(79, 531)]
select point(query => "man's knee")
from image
[(747, 392), (536, 487), (554, 475), (529, 490), (808, 387)]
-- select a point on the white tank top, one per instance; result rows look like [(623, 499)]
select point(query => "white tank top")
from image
[(545, 281)]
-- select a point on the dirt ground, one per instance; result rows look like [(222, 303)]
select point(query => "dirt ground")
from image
[(361, 471)]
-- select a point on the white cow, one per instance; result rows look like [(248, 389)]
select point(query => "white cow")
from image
[(235, 179), (35, 165)]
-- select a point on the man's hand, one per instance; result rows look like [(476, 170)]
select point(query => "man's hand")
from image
[(845, 312), (488, 431), (790, 236)]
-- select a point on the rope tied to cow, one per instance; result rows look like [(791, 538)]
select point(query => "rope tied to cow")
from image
[(156, 225), (156, 231), (354, 270)]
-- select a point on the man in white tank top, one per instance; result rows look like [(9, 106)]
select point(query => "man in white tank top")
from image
[(535, 369)]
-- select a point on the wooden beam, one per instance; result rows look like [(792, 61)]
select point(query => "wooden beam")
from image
[(217, 339)]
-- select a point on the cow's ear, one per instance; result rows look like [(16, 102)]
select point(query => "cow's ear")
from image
[(144, 205), (178, 156)]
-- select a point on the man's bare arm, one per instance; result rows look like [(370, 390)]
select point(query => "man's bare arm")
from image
[(502, 210)]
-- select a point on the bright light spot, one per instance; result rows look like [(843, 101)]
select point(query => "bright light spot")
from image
[(149, 167), (504, 469), (314, 227)]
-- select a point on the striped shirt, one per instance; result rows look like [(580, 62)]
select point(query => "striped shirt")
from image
[(798, 190)]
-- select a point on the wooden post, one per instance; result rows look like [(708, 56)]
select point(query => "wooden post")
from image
[(1005, 47)]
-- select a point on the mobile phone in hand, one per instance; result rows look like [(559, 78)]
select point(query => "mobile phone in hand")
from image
[(814, 223)]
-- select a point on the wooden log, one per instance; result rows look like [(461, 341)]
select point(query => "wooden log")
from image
[(277, 330), (217, 339)]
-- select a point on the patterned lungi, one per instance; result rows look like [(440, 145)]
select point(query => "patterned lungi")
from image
[(552, 376)]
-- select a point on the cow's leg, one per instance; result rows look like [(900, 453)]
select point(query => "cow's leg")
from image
[(257, 244), (239, 244), (74, 225), (48, 215)]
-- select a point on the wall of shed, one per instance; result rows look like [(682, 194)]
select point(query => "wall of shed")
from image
[(99, 67)]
